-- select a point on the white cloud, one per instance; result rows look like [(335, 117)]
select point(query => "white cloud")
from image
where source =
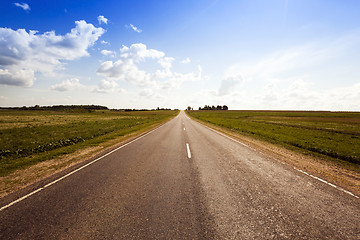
[(104, 42), (29, 52), (166, 62), (127, 68), (303, 77), (24, 6), (102, 19), (136, 29), (139, 52), (107, 53), (17, 77), (124, 69), (174, 80), (186, 61), (3, 98), (106, 86), (67, 85)]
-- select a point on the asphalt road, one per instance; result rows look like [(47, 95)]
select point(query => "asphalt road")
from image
[(182, 181)]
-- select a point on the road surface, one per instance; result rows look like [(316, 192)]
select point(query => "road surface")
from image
[(181, 181)]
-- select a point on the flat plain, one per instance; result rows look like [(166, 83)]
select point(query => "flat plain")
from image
[(28, 137)]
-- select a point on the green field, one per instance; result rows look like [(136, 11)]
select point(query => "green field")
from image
[(335, 135), (28, 137)]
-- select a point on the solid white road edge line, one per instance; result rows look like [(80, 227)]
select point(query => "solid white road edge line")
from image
[(312, 176), (76, 170), (188, 150), (326, 182)]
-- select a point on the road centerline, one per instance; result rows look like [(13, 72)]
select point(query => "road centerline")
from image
[(188, 150)]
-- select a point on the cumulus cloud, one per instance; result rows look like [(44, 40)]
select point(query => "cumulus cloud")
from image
[(136, 29), (107, 53), (166, 62), (67, 85), (24, 53), (24, 6), (186, 61), (139, 52), (106, 86), (102, 19), (174, 80), (127, 68), (17, 77)]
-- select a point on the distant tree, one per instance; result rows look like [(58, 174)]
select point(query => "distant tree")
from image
[(189, 108), (218, 107)]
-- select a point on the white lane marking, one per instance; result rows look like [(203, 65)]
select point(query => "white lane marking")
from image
[(312, 176), (20, 199), (326, 182), (188, 150), (76, 170), (184, 129)]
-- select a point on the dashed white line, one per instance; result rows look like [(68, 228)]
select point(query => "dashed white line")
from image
[(188, 150), (312, 176), (76, 170), (184, 129)]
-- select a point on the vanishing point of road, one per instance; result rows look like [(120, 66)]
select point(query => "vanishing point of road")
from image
[(181, 181)]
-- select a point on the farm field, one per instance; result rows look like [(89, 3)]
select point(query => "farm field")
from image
[(334, 135), (28, 137)]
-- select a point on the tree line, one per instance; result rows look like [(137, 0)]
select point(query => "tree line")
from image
[(218, 107), (208, 107), (60, 107)]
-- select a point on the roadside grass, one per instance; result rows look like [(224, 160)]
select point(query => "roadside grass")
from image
[(30, 137), (334, 135)]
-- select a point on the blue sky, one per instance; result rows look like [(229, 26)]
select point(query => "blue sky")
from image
[(280, 54)]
